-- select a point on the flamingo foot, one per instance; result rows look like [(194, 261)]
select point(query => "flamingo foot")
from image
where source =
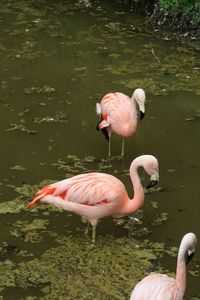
[(93, 233)]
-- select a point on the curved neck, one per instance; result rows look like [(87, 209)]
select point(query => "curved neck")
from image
[(138, 199), (133, 101), (181, 269), (133, 111)]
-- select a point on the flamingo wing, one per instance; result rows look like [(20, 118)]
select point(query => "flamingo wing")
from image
[(88, 189), (121, 113), (114, 105)]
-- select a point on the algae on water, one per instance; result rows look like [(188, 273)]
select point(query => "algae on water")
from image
[(75, 268)]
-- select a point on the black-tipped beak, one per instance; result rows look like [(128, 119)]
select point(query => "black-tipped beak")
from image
[(97, 127), (151, 184), (189, 258), (142, 114)]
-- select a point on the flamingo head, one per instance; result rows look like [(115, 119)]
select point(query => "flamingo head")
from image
[(191, 241), (151, 167), (139, 97)]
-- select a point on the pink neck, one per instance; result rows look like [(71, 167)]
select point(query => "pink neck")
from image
[(134, 204), (181, 270)]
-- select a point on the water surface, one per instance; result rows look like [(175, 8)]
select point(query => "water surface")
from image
[(57, 61)]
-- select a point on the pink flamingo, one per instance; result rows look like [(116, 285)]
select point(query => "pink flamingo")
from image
[(163, 287), (97, 195), (119, 114)]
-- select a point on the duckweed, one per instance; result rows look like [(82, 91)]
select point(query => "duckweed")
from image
[(75, 269)]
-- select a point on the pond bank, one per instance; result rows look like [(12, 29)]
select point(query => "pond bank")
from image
[(170, 19)]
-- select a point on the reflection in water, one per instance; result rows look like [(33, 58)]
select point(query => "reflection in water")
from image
[(57, 61)]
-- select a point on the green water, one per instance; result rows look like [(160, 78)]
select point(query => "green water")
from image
[(57, 61)]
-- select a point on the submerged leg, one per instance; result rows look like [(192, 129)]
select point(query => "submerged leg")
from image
[(94, 233), (109, 146), (122, 153), (87, 228)]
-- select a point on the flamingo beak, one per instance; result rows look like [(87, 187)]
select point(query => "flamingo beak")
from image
[(142, 110), (189, 257), (151, 184), (142, 114), (153, 180)]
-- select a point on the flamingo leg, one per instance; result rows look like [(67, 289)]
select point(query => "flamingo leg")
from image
[(87, 228), (122, 153), (109, 147), (94, 233)]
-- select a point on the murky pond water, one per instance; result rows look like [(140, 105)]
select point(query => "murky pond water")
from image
[(57, 61)]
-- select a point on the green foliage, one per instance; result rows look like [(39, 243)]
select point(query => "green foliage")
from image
[(171, 5), (189, 9)]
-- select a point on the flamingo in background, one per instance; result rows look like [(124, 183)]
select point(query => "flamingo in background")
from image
[(119, 114), (163, 287), (97, 195)]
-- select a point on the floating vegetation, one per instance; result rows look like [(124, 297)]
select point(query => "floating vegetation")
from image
[(130, 220), (74, 165), (169, 75), (155, 189), (195, 117), (157, 248), (59, 117), (39, 90), (159, 219), (195, 270), (18, 168), (80, 69), (75, 266), (6, 274), (172, 251), (13, 207), (85, 3), (154, 87), (29, 232), (154, 204), (24, 112), (20, 127), (133, 224)]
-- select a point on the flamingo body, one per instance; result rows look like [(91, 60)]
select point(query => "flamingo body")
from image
[(163, 287), (97, 195), (157, 285), (119, 113), (90, 195)]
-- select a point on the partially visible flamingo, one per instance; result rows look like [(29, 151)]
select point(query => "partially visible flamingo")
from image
[(119, 114), (163, 287), (97, 195)]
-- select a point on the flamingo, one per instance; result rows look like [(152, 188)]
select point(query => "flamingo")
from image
[(119, 114), (97, 195), (163, 287)]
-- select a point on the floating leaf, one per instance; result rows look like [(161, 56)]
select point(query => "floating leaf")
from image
[(14, 206), (159, 219), (20, 127), (59, 117), (18, 168), (39, 90)]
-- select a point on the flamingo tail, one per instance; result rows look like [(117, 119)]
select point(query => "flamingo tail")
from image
[(103, 124), (98, 108), (103, 129), (39, 195)]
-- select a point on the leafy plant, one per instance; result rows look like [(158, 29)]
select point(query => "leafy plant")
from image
[(189, 10)]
